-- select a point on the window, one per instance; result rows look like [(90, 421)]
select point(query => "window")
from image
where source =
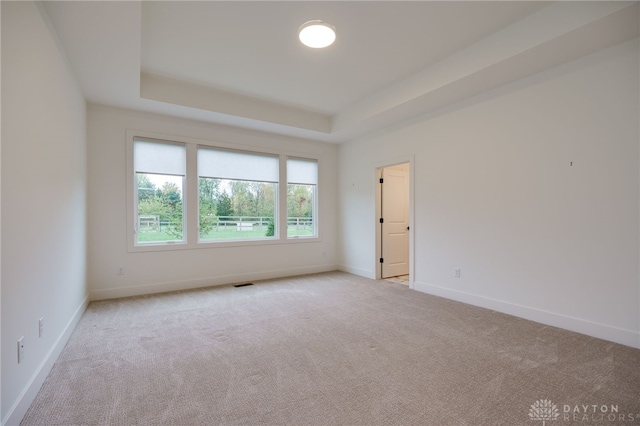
[(302, 180), (160, 170), (237, 194), (189, 194)]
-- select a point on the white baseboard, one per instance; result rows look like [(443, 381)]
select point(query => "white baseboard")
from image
[(590, 328), (357, 271), (19, 409), (139, 290)]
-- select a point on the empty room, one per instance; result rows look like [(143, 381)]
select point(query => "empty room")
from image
[(320, 213)]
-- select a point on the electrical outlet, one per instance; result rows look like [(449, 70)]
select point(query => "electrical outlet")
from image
[(120, 270), (456, 272), (20, 349), (40, 327)]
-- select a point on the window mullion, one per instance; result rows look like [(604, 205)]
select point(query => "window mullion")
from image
[(282, 199), (192, 220)]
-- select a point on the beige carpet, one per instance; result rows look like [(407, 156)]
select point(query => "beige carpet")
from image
[(329, 349)]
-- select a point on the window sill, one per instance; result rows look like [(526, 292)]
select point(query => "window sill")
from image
[(220, 244)]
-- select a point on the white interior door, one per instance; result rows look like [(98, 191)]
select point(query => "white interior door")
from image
[(395, 221)]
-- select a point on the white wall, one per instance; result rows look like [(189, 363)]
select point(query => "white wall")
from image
[(496, 196), (170, 270), (43, 203)]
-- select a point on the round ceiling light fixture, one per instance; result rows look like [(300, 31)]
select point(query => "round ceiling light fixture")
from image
[(317, 34)]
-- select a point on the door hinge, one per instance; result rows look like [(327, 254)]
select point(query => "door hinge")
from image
[(381, 220), (381, 260), (381, 180)]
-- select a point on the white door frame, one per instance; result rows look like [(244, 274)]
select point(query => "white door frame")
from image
[(378, 211)]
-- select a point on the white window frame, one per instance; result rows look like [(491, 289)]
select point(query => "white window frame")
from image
[(135, 196), (276, 216), (314, 201), (191, 196)]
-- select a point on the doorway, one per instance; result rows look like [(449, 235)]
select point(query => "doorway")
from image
[(394, 207)]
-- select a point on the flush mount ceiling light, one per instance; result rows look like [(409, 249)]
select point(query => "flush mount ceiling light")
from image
[(317, 34)]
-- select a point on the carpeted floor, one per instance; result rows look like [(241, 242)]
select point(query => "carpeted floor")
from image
[(329, 349)]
